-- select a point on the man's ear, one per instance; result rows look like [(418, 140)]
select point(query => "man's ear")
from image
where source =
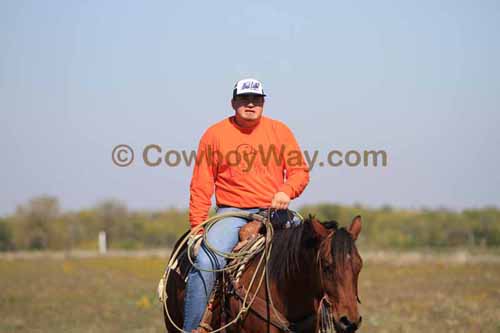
[(355, 227)]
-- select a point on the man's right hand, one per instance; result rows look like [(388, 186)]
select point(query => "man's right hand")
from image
[(280, 201)]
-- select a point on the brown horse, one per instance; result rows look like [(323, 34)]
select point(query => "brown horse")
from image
[(312, 278)]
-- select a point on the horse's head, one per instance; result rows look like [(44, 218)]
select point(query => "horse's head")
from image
[(334, 262), (339, 265)]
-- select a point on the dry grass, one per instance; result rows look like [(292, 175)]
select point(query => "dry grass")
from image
[(80, 295), (431, 297), (118, 295)]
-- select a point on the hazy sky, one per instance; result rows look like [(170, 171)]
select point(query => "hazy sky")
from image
[(418, 79)]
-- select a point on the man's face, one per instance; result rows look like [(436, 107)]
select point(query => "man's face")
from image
[(248, 107)]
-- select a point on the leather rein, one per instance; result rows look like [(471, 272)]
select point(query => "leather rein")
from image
[(261, 308)]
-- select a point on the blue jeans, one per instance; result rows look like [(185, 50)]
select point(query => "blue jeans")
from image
[(224, 236)]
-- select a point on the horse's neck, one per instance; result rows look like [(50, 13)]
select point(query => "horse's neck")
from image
[(299, 291), (308, 273)]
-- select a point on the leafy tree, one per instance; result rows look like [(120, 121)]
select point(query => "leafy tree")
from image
[(5, 236), (33, 222), (112, 216)]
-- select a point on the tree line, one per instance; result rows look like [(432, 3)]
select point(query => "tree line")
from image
[(40, 224)]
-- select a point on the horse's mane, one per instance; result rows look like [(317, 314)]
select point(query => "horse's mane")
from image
[(285, 253), (289, 248), (288, 251)]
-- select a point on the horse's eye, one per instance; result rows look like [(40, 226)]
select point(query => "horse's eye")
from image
[(327, 269)]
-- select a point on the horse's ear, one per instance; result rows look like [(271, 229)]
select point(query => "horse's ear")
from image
[(315, 228), (314, 232), (355, 227), (319, 228)]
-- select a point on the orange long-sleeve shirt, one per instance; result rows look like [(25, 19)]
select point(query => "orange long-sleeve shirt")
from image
[(245, 166)]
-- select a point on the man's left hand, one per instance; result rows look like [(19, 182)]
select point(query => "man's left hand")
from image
[(280, 201)]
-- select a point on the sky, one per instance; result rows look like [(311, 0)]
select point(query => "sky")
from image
[(417, 79)]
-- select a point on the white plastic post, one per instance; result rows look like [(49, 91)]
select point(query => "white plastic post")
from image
[(102, 242)]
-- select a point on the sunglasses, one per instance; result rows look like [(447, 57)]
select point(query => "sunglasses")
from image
[(249, 98)]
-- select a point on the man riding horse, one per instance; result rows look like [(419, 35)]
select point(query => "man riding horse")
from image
[(251, 162)]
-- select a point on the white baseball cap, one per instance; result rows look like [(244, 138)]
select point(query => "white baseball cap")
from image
[(248, 86)]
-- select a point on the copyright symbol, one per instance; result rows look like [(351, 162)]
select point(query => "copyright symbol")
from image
[(122, 155)]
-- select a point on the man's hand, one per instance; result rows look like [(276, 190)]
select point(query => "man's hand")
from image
[(280, 201)]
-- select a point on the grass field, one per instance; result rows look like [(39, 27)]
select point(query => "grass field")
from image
[(119, 295)]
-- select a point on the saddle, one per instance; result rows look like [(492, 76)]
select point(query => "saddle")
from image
[(182, 265)]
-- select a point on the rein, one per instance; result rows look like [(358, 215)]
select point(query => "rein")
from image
[(324, 317)]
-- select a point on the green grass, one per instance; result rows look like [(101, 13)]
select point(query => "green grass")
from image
[(119, 295)]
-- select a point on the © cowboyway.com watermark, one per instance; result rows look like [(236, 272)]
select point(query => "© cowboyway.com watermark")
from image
[(247, 157)]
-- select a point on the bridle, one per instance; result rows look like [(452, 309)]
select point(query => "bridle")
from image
[(325, 319)]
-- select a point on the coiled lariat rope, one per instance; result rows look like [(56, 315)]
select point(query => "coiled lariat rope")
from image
[(265, 246)]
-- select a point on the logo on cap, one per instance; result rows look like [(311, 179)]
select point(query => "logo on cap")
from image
[(250, 85), (246, 86)]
